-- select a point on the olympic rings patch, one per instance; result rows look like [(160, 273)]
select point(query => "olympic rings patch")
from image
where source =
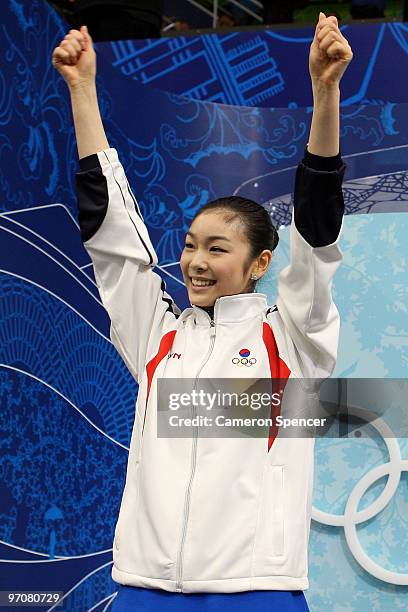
[(244, 359)]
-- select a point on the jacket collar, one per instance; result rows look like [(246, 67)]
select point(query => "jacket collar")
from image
[(232, 308)]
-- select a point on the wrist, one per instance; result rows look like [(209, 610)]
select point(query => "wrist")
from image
[(324, 90), (83, 88)]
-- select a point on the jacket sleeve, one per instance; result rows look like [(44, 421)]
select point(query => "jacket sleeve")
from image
[(305, 301), (116, 239)]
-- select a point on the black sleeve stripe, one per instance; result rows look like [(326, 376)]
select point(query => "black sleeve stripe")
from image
[(137, 231), (171, 305), (318, 204), (137, 209)]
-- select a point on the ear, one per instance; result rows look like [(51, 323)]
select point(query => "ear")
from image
[(263, 262)]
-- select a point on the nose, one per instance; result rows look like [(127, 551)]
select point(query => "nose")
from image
[(198, 261)]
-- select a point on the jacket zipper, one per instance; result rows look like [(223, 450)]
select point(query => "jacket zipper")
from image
[(193, 466)]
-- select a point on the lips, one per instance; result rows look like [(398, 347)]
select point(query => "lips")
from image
[(202, 283)]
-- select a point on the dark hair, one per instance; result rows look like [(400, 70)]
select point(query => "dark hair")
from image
[(259, 229)]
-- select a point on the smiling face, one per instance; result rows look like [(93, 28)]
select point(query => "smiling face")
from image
[(216, 258)]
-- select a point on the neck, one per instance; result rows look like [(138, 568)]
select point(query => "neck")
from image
[(209, 310)]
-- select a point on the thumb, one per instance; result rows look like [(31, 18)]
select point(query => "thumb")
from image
[(87, 37), (322, 16)]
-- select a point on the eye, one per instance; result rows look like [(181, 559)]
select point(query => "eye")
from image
[(215, 248), (188, 245)]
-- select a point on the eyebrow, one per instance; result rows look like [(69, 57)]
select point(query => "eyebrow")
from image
[(210, 238)]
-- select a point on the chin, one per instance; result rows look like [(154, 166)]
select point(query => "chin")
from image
[(201, 301)]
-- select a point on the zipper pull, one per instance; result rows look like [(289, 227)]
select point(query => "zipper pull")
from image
[(212, 328)]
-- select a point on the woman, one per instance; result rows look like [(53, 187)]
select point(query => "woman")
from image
[(213, 523)]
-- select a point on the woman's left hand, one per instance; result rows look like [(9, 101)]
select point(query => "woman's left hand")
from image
[(330, 52)]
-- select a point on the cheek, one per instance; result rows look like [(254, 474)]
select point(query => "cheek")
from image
[(183, 262), (229, 274)]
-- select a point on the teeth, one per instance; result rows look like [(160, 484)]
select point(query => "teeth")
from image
[(202, 283)]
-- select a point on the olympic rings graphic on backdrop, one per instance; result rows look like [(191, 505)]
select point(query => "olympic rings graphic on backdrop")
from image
[(352, 516)]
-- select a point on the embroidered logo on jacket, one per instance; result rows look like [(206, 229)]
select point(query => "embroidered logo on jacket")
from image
[(244, 358), (174, 356)]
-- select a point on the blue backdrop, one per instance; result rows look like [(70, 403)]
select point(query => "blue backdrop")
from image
[(265, 68), (67, 400)]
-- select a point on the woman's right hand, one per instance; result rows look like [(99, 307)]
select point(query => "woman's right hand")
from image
[(75, 58)]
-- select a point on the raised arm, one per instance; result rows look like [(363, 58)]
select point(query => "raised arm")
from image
[(329, 57), (112, 227), (75, 60), (304, 290)]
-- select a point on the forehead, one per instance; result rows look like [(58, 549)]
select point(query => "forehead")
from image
[(217, 224)]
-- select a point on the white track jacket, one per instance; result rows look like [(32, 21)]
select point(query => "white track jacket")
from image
[(214, 514)]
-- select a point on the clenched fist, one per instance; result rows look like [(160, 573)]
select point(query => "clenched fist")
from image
[(75, 58), (330, 52)]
